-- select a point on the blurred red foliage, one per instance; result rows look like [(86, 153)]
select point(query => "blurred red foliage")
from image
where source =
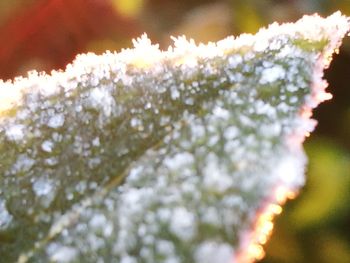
[(54, 31)]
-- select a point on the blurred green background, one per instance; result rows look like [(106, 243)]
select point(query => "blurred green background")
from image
[(47, 34)]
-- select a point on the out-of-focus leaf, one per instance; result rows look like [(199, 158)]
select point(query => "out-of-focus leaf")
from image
[(284, 245), (327, 193), (333, 249), (215, 26), (247, 16), (128, 8)]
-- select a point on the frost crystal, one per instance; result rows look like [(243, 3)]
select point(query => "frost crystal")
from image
[(5, 216), (101, 99), (210, 252), (182, 223), (23, 163), (47, 146), (64, 254), (272, 74), (15, 132), (161, 156), (56, 121), (42, 187)]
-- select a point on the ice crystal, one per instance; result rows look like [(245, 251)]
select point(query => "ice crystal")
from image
[(56, 121), (47, 146), (161, 156), (15, 132)]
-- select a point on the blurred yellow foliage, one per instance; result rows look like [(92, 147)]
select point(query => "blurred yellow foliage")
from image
[(215, 26), (327, 190), (246, 17), (333, 249), (128, 8)]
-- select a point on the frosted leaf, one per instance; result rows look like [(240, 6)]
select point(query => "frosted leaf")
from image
[(145, 154)]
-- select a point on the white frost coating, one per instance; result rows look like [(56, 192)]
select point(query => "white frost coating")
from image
[(5, 217), (234, 61), (165, 247), (101, 99), (211, 216), (164, 214), (215, 177), (64, 254), (15, 132), (128, 259), (135, 122), (172, 260), (51, 161), (56, 121), (272, 74), (290, 170), (264, 108), (178, 161), (23, 163), (47, 146), (132, 199), (314, 28), (212, 252), (135, 173), (96, 142), (231, 132), (174, 92), (183, 223), (261, 45), (221, 113), (197, 131), (48, 86), (43, 186), (145, 50), (98, 221)]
